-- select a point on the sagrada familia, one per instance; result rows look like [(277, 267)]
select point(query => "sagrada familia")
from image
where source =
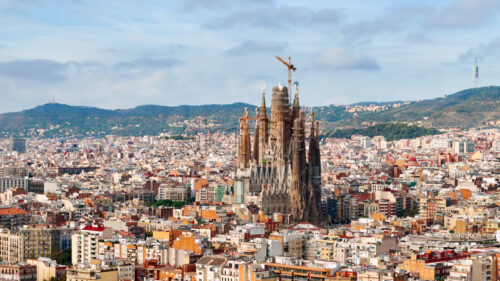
[(274, 169)]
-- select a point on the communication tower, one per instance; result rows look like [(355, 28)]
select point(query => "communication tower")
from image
[(475, 72)]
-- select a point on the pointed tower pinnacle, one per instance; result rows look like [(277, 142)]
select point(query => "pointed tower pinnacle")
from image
[(245, 149), (296, 105), (263, 135), (255, 150), (312, 143), (313, 204), (298, 191), (263, 113), (312, 122)]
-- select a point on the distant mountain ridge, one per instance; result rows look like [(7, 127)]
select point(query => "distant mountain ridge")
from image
[(53, 119), (468, 108), (464, 109)]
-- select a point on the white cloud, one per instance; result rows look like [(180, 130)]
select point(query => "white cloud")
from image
[(491, 49), (277, 17), (252, 47), (342, 58), (465, 14)]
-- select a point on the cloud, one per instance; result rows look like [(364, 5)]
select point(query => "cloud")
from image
[(251, 47), (35, 70), (465, 14), (174, 48), (167, 50), (101, 87), (393, 20), (149, 63), (214, 4), (281, 17), (341, 58), (491, 49), (22, 6), (417, 37), (43, 70), (416, 18), (15, 5)]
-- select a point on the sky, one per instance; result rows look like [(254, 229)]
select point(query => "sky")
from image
[(124, 53)]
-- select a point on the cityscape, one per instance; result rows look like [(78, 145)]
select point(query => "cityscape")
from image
[(264, 184)]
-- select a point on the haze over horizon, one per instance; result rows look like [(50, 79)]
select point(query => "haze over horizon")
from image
[(120, 54)]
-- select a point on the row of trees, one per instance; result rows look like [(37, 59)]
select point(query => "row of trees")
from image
[(391, 131)]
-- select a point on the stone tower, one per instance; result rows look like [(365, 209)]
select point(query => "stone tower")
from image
[(255, 148), (244, 142), (263, 135), (297, 190), (280, 124)]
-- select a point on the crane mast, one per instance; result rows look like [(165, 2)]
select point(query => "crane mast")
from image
[(290, 67)]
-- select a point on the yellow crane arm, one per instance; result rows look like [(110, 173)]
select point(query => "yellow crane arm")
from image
[(290, 66)]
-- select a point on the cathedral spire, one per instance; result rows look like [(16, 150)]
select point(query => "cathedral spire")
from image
[(298, 191), (312, 143), (314, 188), (263, 113), (295, 107), (244, 149), (313, 129), (296, 100), (263, 134), (255, 151), (318, 153)]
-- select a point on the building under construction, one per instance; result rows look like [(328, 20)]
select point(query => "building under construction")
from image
[(275, 170)]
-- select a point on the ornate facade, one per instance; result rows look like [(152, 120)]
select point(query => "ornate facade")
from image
[(274, 170)]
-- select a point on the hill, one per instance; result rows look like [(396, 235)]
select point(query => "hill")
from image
[(468, 108), (465, 109), (59, 120)]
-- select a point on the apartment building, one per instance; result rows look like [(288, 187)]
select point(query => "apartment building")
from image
[(85, 243), (20, 272), (47, 269), (28, 243)]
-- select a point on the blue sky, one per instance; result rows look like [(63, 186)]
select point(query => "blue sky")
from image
[(119, 54)]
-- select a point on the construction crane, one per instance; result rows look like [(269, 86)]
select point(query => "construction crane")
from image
[(290, 67)]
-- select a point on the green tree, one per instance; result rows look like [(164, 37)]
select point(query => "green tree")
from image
[(62, 257), (179, 204)]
